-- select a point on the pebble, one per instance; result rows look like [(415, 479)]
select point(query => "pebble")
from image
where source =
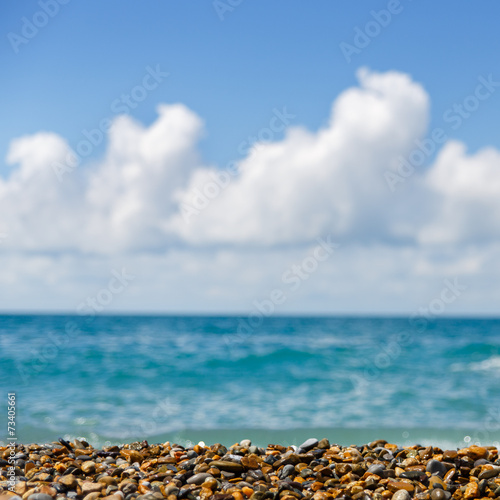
[(92, 496), (439, 494), (309, 444), (199, 478), (91, 487), (376, 469), (88, 467), (488, 473), (436, 482), (69, 481), (226, 465), (286, 471), (436, 467), (401, 495), (39, 496), (317, 470)]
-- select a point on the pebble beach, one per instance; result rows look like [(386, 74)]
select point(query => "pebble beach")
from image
[(317, 469)]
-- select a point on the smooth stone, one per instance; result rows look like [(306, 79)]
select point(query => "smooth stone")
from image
[(412, 474), (377, 469), (324, 444), (401, 495), (92, 496), (69, 481), (488, 473), (90, 487), (245, 443), (400, 485), (436, 482), (481, 461), (309, 444), (171, 489), (199, 478), (108, 480), (306, 472), (436, 467), (471, 491), (79, 445), (129, 488), (39, 496), (286, 471), (60, 488), (482, 487), (88, 467), (450, 455), (225, 465), (439, 494), (257, 495)]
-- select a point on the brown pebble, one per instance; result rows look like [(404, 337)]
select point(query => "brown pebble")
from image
[(48, 490), (471, 491), (474, 452), (436, 480), (69, 481), (88, 467), (92, 496), (108, 480), (91, 487), (400, 485)]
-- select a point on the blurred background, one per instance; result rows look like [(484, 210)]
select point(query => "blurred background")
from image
[(250, 219)]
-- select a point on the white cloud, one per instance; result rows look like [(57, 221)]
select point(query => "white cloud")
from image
[(465, 192), (127, 208), (130, 194), (313, 183)]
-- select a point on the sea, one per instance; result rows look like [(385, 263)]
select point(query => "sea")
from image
[(185, 379)]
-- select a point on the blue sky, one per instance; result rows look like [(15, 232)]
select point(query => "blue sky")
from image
[(231, 75), (232, 72)]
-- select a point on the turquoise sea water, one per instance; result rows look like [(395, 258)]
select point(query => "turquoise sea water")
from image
[(279, 379)]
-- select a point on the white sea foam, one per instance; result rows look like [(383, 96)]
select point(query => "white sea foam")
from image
[(490, 364)]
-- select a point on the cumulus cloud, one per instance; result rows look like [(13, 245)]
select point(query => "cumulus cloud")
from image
[(329, 181), (465, 194), (141, 201), (313, 183), (121, 203)]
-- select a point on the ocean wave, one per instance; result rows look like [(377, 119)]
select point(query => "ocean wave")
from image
[(490, 364)]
